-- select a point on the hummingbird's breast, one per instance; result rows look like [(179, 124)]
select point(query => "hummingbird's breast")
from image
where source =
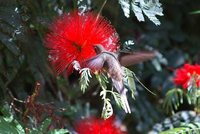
[(114, 69)]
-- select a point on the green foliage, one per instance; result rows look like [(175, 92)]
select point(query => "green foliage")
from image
[(22, 54), (184, 128), (9, 125), (127, 46), (44, 125), (44, 129), (59, 131), (175, 121), (129, 81), (195, 12), (150, 8), (103, 80), (107, 110), (117, 98), (84, 79), (83, 5), (107, 107), (174, 98), (193, 92)]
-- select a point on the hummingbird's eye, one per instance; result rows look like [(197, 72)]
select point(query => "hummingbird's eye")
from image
[(95, 47)]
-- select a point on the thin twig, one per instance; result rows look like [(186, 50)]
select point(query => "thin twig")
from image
[(16, 109), (100, 10), (143, 85), (15, 99)]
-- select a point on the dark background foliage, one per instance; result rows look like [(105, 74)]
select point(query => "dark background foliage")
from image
[(23, 60)]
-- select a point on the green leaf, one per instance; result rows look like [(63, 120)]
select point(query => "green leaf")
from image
[(19, 127), (45, 125), (34, 131), (5, 110), (189, 128), (195, 12), (6, 128), (102, 80), (128, 46), (150, 8), (107, 109), (84, 80), (103, 94), (173, 99), (129, 81), (59, 131), (156, 64), (192, 91), (125, 4), (117, 98), (10, 127), (83, 5)]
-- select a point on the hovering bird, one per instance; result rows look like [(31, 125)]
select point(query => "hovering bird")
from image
[(108, 62)]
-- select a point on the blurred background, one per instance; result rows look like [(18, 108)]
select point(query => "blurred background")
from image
[(31, 92)]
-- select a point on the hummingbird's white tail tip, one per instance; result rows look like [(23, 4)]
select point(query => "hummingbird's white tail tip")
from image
[(125, 104)]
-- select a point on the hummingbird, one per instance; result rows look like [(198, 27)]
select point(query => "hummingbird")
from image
[(108, 62)]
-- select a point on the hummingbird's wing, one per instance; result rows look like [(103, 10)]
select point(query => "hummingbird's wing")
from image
[(136, 57), (96, 63)]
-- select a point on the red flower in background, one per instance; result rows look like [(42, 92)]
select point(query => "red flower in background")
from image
[(188, 74), (73, 36), (98, 126)]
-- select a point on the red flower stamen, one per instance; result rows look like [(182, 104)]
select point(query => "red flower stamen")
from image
[(73, 35), (98, 126), (187, 75)]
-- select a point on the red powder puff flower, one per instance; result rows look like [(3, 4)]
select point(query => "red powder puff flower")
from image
[(73, 35), (187, 75), (98, 126)]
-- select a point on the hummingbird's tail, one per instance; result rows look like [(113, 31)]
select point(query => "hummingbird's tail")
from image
[(125, 103), (122, 91)]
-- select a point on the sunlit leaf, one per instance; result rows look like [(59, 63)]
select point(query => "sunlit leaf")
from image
[(45, 124), (150, 8), (195, 12), (125, 4), (128, 46), (129, 81), (107, 109), (190, 128), (85, 78), (173, 99), (59, 131), (103, 81), (8, 125), (7, 128), (84, 5)]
